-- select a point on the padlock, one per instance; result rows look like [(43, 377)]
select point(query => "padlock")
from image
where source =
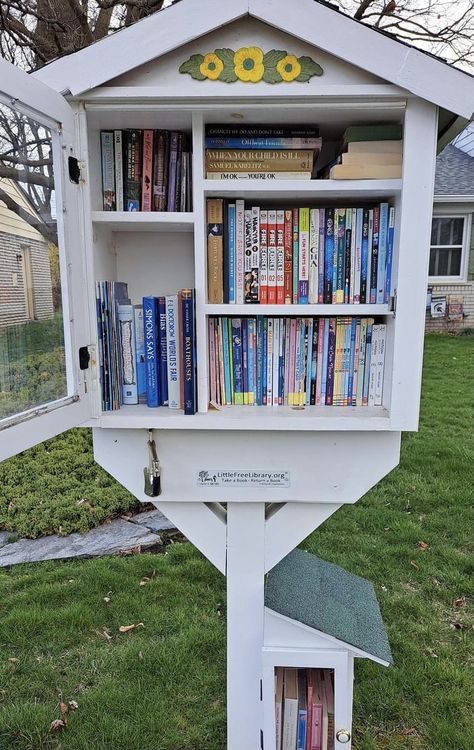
[(152, 472)]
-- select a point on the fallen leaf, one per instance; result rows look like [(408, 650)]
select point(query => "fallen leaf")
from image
[(412, 562), (459, 602), (422, 545), (64, 710), (56, 725), (73, 705), (13, 660), (128, 628)]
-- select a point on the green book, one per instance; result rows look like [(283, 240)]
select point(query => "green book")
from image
[(389, 132)]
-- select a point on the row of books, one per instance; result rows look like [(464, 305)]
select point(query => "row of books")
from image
[(146, 351), (298, 255), (262, 152), (304, 709), (368, 152), (296, 362), (145, 170)]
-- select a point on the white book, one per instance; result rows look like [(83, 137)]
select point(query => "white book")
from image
[(118, 154), (373, 363), (276, 357), (313, 255), (263, 176), (128, 353), (255, 252), (353, 253), (263, 253), (380, 365), (272, 257), (239, 251), (172, 344)]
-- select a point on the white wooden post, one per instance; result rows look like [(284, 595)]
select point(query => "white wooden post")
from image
[(245, 611)]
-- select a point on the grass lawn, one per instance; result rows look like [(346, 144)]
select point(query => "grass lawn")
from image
[(162, 686)]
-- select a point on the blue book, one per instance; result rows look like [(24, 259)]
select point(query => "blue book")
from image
[(364, 256), (324, 370), (231, 260), (302, 710), (237, 361), (163, 350), (189, 363), (150, 329), (251, 363), (328, 254), (383, 232), (245, 359), (354, 323), (388, 264), (264, 143), (140, 352), (260, 348)]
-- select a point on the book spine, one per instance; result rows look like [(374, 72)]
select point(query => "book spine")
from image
[(368, 354), (262, 176), (331, 355), (239, 251), (280, 257), (189, 367), (263, 264), (108, 170), (179, 161), (292, 364), (238, 389), (214, 250), (379, 365), (288, 252), (226, 346), (256, 131), (374, 351), (374, 256), (364, 256), (247, 255), (211, 332), (275, 362), (269, 368), (313, 255), (255, 229), (163, 350), (172, 171), (383, 231), (358, 254), (233, 142), (172, 343), (309, 360), (328, 254), (388, 269), (252, 360), (303, 269), (118, 154), (272, 257), (361, 367), (231, 252), (150, 323), (347, 255), (314, 362), (319, 364), (354, 323), (127, 350), (140, 351), (133, 142), (147, 171), (259, 364), (322, 231), (356, 358), (353, 254), (225, 252), (245, 355), (341, 254), (301, 734), (296, 246), (160, 169), (241, 160)]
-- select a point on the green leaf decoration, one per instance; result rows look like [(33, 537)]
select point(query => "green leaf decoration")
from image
[(271, 58), (226, 55), (191, 66), (309, 68), (271, 75), (228, 75)]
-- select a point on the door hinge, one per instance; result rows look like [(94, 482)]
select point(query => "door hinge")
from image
[(74, 170), (84, 358)]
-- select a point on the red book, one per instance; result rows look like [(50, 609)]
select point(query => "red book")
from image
[(288, 244), (272, 258), (280, 272), (147, 170)]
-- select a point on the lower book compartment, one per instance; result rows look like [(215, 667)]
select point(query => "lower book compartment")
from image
[(304, 709)]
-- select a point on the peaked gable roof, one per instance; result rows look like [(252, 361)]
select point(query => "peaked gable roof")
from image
[(329, 599), (454, 172), (315, 23)]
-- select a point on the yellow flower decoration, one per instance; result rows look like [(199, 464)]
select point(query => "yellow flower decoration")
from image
[(212, 66), (289, 68), (248, 64)]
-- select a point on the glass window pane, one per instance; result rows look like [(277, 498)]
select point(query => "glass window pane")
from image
[(32, 362), (445, 261), (450, 232), (454, 265), (433, 258), (435, 227)]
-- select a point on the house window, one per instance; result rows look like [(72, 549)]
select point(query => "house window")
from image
[(448, 247)]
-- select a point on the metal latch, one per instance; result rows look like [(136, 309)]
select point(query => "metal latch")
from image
[(152, 472), (84, 358)]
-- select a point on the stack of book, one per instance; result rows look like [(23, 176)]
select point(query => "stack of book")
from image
[(304, 709), (296, 362), (146, 352), (369, 152), (298, 255), (145, 170), (261, 152)]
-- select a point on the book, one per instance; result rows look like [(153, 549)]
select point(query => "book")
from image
[(272, 257), (388, 266), (280, 257), (188, 349), (127, 353), (375, 147), (163, 350), (147, 171), (231, 250), (315, 726), (288, 256), (263, 264), (379, 132), (302, 711), (217, 160), (172, 344), (247, 255), (365, 172), (278, 705), (215, 250), (172, 171), (363, 157), (160, 169), (303, 269), (150, 323), (261, 131), (251, 175), (245, 142), (133, 144), (290, 709), (118, 159), (255, 253), (140, 352), (239, 250), (108, 169), (383, 236)]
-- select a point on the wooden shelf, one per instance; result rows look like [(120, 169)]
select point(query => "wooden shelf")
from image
[(145, 221), (249, 418), (302, 311), (304, 190)]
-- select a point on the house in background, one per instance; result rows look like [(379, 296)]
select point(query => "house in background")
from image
[(26, 291), (451, 267)]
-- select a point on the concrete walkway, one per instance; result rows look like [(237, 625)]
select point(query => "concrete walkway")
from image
[(139, 531)]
